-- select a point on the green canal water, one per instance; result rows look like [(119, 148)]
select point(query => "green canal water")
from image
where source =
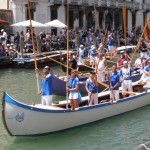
[(123, 132)]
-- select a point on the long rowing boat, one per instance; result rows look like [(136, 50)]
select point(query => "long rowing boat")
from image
[(31, 120)]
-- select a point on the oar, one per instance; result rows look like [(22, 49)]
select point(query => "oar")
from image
[(33, 45), (104, 84), (67, 93), (137, 46), (128, 92)]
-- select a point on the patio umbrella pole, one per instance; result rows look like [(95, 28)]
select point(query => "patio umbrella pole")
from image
[(31, 29)]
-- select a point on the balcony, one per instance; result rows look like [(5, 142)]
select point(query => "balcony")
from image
[(112, 3), (59, 2), (103, 3), (85, 2), (129, 5), (136, 6), (74, 2), (120, 4)]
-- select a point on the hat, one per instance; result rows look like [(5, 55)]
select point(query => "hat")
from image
[(2, 30), (92, 72), (121, 52), (125, 62), (81, 46), (109, 35)]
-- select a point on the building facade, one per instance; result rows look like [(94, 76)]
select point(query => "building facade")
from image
[(82, 13)]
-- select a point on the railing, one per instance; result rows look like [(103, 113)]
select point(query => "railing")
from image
[(103, 3), (135, 6), (112, 3), (58, 2), (129, 5), (120, 4), (74, 2), (85, 2)]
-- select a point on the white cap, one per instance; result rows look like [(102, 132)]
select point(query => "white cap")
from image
[(81, 46), (2, 30), (125, 62)]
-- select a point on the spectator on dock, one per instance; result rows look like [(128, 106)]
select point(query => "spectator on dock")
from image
[(4, 37)]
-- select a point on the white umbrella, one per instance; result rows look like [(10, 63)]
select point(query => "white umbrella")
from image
[(56, 24), (27, 23)]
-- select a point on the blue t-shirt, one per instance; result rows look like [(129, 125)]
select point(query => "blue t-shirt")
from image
[(126, 73), (92, 87), (110, 42), (115, 78), (93, 53), (47, 85), (147, 68), (73, 82)]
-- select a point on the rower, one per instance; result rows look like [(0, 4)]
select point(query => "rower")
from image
[(125, 77), (146, 75), (100, 67), (81, 54), (114, 78)]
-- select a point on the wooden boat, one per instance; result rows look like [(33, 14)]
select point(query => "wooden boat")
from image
[(59, 84), (145, 146), (31, 120), (43, 58), (4, 59), (81, 67), (129, 48)]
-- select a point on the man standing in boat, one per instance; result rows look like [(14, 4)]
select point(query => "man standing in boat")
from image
[(46, 83), (72, 87), (114, 79), (125, 77), (92, 88)]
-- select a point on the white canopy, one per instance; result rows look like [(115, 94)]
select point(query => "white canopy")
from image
[(27, 23), (56, 24)]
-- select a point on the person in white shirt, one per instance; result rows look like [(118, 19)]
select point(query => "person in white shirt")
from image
[(4, 38), (101, 67), (125, 76), (81, 54)]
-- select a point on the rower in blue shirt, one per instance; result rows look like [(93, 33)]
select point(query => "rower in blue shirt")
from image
[(46, 84), (114, 78), (126, 78)]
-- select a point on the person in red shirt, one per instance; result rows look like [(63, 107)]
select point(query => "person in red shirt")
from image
[(122, 58)]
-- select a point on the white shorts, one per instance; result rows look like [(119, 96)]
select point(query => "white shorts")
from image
[(73, 95), (111, 49), (127, 85), (114, 94), (143, 54), (101, 76), (47, 99), (92, 60), (93, 99)]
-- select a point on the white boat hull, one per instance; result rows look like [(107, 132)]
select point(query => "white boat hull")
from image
[(25, 120)]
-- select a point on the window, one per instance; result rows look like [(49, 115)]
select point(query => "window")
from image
[(80, 19)]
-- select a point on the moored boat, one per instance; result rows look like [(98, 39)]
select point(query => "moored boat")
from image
[(43, 58), (28, 120)]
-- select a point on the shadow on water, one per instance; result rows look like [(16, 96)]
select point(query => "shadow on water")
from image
[(121, 132)]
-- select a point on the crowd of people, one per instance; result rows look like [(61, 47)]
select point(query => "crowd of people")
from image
[(93, 46)]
